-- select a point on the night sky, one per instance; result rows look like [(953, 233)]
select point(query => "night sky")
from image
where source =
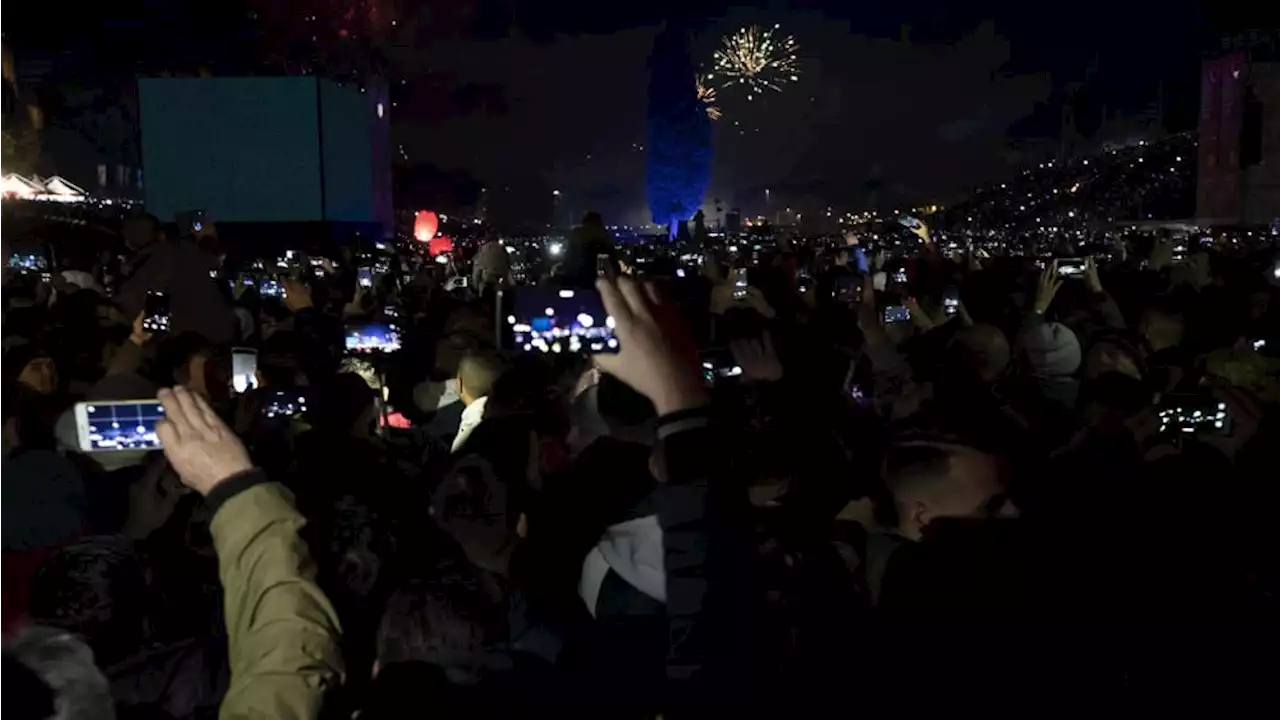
[(914, 100)]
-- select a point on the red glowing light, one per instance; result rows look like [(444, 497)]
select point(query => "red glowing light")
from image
[(440, 245), (425, 225)]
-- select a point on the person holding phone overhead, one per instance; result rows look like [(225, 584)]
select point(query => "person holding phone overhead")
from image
[(180, 269)]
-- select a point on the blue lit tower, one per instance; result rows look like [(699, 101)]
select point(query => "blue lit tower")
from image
[(679, 133)]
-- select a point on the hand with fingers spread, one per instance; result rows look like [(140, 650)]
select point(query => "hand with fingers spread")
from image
[(646, 360), (199, 446), (1047, 287), (757, 359)]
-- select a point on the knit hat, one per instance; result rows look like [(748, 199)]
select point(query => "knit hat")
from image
[(1053, 350)]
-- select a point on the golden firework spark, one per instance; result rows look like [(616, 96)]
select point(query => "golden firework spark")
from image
[(756, 59), (707, 94)]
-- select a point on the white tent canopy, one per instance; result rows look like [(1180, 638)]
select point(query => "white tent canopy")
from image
[(54, 188)]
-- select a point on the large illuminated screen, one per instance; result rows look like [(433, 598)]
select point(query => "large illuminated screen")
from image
[(257, 149)]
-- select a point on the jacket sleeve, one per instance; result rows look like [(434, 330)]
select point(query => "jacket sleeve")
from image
[(703, 523), (1107, 311), (283, 633)]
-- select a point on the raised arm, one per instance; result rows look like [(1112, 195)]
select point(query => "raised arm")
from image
[(283, 632)]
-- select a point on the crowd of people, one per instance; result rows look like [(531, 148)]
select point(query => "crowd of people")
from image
[(814, 479)]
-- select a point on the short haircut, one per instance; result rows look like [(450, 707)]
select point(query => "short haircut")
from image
[(450, 620), (96, 588), (909, 469), (478, 371), (911, 466), (53, 675)]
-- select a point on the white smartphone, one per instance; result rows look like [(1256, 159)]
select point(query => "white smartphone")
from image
[(117, 425), (244, 369)]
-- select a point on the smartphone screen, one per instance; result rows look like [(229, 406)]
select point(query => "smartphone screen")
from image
[(285, 403), (365, 276), (894, 314), (1071, 267), (551, 320), (1190, 414), (244, 369), (951, 302), (118, 425), (740, 284), (27, 261), (155, 311), (711, 371), (373, 338), (270, 287)]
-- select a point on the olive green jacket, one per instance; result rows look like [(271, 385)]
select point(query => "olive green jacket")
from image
[(283, 633)]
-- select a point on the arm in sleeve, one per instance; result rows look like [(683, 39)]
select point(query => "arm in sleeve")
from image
[(283, 633), (1105, 307), (127, 358), (703, 523)]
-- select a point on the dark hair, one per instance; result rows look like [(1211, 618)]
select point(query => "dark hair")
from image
[(174, 354), (479, 370), (339, 401), (96, 588), (450, 620)]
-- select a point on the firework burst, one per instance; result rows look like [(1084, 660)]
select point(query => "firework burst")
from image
[(707, 94), (757, 60)]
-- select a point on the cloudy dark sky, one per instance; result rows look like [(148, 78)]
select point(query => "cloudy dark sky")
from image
[(921, 97)]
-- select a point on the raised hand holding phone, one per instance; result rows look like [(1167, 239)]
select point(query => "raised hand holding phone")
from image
[(1047, 288), (199, 446), (647, 361)]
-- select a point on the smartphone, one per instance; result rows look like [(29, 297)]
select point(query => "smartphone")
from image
[(247, 279), (373, 338), (712, 370), (894, 314), (554, 320), (390, 311), (740, 285), (951, 302), (244, 369), (442, 259), (118, 425), (602, 265), (190, 221), (1190, 414), (285, 404), (270, 287), (155, 311), (900, 276), (27, 261), (1071, 267), (365, 277)]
